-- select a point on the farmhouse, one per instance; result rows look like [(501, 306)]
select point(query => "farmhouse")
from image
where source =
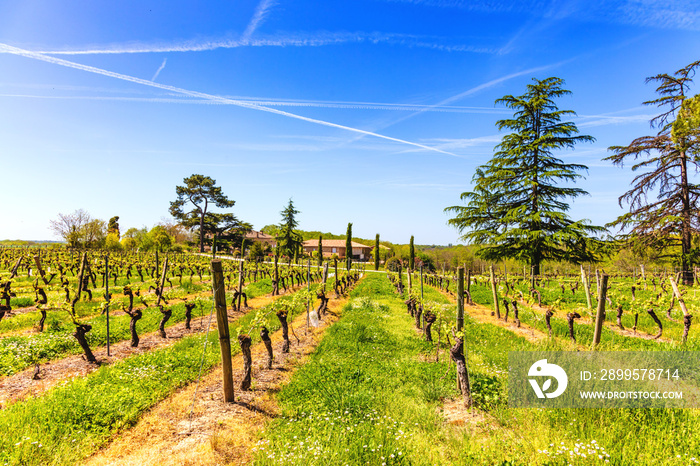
[(337, 246), (260, 237)]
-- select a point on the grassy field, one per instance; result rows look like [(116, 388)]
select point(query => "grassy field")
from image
[(373, 394)]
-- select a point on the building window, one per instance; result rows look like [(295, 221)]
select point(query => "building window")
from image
[(335, 250)]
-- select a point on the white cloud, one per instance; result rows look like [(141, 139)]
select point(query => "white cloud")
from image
[(665, 14)]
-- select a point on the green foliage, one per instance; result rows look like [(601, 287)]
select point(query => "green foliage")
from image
[(686, 128), (392, 264), (160, 238), (411, 255), (662, 200), (348, 246), (200, 191), (518, 209), (112, 242), (289, 242), (376, 252), (113, 226), (257, 251)]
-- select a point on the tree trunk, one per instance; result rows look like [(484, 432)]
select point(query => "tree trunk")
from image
[(547, 318), (80, 331), (166, 316), (652, 314), (265, 337), (42, 320), (245, 342), (570, 318), (135, 316), (619, 317), (457, 355), (282, 316), (429, 319), (322, 306), (686, 326), (188, 314)]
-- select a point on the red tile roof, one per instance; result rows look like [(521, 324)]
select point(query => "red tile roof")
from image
[(332, 243)]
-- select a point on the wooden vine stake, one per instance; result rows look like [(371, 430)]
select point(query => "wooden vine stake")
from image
[(107, 299), (586, 288), (410, 282), (162, 281), (240, 285), (495, 293), (457, 352), (37, 261), (687, 318), (222, 324), (600, 311), (460, 298), (469, 284)]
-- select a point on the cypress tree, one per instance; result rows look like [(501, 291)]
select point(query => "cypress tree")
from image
[(411, 254), (348, 245), (376, 252), (320, 250)]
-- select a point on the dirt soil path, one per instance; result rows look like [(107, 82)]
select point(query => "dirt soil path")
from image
[(21, 385), (216, 432)]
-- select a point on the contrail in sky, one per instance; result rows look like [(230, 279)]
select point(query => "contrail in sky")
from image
[(467, 93), (91, 69), (159, 69), (277, 103), (318, 39), (258, 17)]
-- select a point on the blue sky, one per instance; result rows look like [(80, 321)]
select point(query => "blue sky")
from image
[(374, 112)]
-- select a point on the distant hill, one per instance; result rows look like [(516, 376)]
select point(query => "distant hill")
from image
[(27, 242)]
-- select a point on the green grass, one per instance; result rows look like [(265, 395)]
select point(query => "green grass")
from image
[(368, 393)]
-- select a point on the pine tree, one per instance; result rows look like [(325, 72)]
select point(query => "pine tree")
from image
[(669, 218), (411, 254), (200, 191), (289, 241), (518, 209)]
